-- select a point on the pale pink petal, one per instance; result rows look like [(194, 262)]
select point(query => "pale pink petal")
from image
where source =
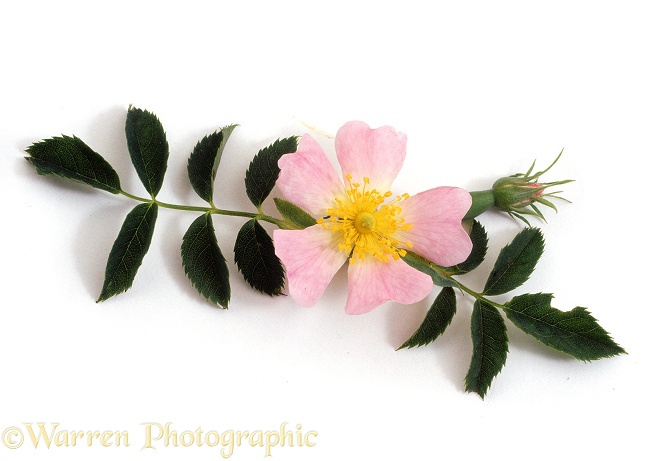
[(437, 232), (376, 154), (308, 179), (311, 259), (372, 283)]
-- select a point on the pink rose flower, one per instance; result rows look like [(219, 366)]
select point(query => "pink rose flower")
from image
[(360, 221)]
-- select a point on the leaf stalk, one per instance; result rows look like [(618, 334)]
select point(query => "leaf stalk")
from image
[(212, 209)]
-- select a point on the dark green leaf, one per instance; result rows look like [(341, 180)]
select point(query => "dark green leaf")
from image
[(574, 332), (479, 240), (437, 273), (128, 250), (256, 259), (71, 158), (516, 262), (436, 321), (204, 263), (148, 148), (204, 161), (263, 171), (293, 214), (490, 347)]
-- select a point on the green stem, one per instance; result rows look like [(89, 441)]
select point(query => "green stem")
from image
[(481, 202), (444, 273), (478, 296), (212, 209)]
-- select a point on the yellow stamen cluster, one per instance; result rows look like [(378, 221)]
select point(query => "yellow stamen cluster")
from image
[(368, 225)]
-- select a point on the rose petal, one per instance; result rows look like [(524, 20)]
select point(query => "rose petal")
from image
[(311, 259), (366, 153), (437, 232), (373, 282), (308, 179)]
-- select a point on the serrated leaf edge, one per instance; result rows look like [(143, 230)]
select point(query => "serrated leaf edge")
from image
[(223, 303), (474, 387), (104, 294), (536, 233), (254, 222), (446, 292), (587, 313)]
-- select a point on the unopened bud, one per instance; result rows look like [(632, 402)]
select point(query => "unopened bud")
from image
[(518, 194)]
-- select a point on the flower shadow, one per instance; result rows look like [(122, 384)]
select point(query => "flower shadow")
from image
[(453, 348)]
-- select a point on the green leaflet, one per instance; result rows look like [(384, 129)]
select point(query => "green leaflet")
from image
[(71, 158), (436, 321), (293, 214), (263, 170), (479, 240), (439, 274), (148, 148), (256, 259), (516, 262), (204, 161), (204, 263), (490, 347), (128, 250), (574, 332)]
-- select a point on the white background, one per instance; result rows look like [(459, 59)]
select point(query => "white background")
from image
[(481, 91)]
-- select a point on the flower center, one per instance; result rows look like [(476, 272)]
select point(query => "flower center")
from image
[(368, 226), (364, 222)]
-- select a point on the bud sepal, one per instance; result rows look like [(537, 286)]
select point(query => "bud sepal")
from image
[(518, 194)]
